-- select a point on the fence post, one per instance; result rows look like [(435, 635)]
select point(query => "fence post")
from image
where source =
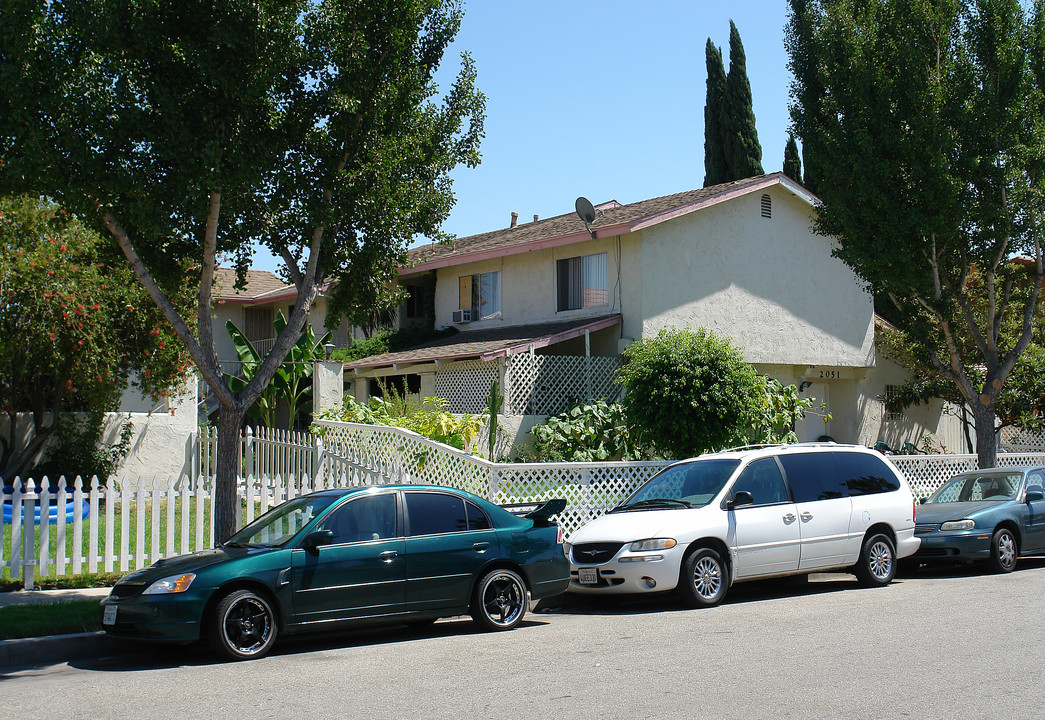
[(318, 471), (247, 470), (28, 535)]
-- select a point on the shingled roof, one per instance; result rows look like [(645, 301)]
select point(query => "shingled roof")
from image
[(614, 219), (489, 343), (260, 283)]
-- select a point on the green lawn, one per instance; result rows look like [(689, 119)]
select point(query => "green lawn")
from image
[(131, 531), (60, 618)]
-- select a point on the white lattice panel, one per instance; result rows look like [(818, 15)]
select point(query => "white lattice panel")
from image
[(466, 385), (550, 384), (1020, 440)]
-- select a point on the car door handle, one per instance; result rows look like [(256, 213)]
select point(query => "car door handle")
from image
[(388, 555), (789, 518), (481, 546), (807, 516)]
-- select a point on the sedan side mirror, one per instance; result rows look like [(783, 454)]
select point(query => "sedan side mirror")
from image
[(740, 498), (318, 537), (1034, 496)]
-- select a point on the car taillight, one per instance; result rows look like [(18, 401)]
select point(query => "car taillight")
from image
[(914, 510), (558, 537)]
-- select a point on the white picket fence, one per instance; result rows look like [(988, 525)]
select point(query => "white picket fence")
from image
[(132, 522)]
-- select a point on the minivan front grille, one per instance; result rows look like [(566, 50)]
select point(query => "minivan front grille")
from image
[(595, 553)]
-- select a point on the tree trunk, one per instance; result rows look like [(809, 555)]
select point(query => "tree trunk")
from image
[(226, 503), (986, 437)]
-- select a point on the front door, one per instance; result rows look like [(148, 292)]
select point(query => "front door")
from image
[(1035, 523), (766, 533), (361, 574)]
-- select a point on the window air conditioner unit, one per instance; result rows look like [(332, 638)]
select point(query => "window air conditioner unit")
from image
[(462, 316)]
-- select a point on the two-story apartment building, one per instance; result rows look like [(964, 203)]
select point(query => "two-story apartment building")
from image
[(547, 306)]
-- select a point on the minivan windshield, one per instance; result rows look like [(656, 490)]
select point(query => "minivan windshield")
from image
[(681, 486)]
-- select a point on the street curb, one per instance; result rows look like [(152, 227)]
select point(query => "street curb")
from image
[(53, 649)]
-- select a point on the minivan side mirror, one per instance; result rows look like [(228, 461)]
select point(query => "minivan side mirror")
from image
[(740, 498), (318, 537)]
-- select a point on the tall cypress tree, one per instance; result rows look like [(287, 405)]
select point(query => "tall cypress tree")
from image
[(792, 162), (807, 90), (743, 151), (715, 169)]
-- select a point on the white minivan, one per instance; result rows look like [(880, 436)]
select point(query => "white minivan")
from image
[(756, 512)]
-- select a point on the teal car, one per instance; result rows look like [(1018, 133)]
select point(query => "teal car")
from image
[(992, 516), (339, 558)]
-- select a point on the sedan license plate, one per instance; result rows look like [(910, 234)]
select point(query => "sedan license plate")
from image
[(109, 615), (588, 576)]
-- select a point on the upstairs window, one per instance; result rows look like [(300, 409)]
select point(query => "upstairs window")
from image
[(418, 302), (581, 282), (482, 294), (257, 323)]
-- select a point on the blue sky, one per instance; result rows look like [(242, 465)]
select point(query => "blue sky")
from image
[(602, 99)]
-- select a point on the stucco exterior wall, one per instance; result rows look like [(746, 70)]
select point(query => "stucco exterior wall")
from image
[(528, 285), (769, 283), (234, 311)]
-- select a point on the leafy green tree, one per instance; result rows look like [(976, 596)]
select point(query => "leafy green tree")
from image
[(715, 167), (75, 330), (689, 391), (742, 149), (189, 130), (731, 147), (807, 92), (930, 145), (792, 160)]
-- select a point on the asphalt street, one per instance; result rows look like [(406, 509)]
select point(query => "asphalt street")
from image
[(941, 644)]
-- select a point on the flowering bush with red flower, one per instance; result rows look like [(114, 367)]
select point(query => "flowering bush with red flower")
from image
[(53, 360)]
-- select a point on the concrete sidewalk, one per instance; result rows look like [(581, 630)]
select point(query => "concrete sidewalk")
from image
[(49, 650)]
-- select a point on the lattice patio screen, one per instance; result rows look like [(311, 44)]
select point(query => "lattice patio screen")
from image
[(549, 384), (466, 385)]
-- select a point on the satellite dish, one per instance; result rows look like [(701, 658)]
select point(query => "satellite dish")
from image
[(586, 212)]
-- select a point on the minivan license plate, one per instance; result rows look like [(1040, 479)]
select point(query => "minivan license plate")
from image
[(109, 615), (588, 576)]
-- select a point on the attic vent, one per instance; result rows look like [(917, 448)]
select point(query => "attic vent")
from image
[(767, 206)]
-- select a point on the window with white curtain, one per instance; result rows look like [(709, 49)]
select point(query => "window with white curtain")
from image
[(581, 282), (482, 293)]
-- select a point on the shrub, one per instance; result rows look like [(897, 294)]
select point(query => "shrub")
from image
[(689, 391), (586, 433)]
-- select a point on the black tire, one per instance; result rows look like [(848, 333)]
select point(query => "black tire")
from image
[(499, 601), (877, 564), (1004, 551), (243, 626), (703, 579)]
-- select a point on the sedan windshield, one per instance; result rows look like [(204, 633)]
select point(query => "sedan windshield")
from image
[(282, 522), (974, 487), (681, 486)]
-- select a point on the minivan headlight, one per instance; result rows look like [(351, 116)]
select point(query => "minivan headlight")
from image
[(566, 549), (653, 544), (958, 525), (172, 584)]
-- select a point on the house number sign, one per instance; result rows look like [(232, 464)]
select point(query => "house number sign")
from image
[(819, 374)]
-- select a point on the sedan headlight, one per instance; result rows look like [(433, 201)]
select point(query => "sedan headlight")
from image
[(652, 544), (172, 584), (958, 525)]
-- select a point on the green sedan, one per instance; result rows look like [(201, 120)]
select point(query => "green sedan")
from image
[(339, 558)]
